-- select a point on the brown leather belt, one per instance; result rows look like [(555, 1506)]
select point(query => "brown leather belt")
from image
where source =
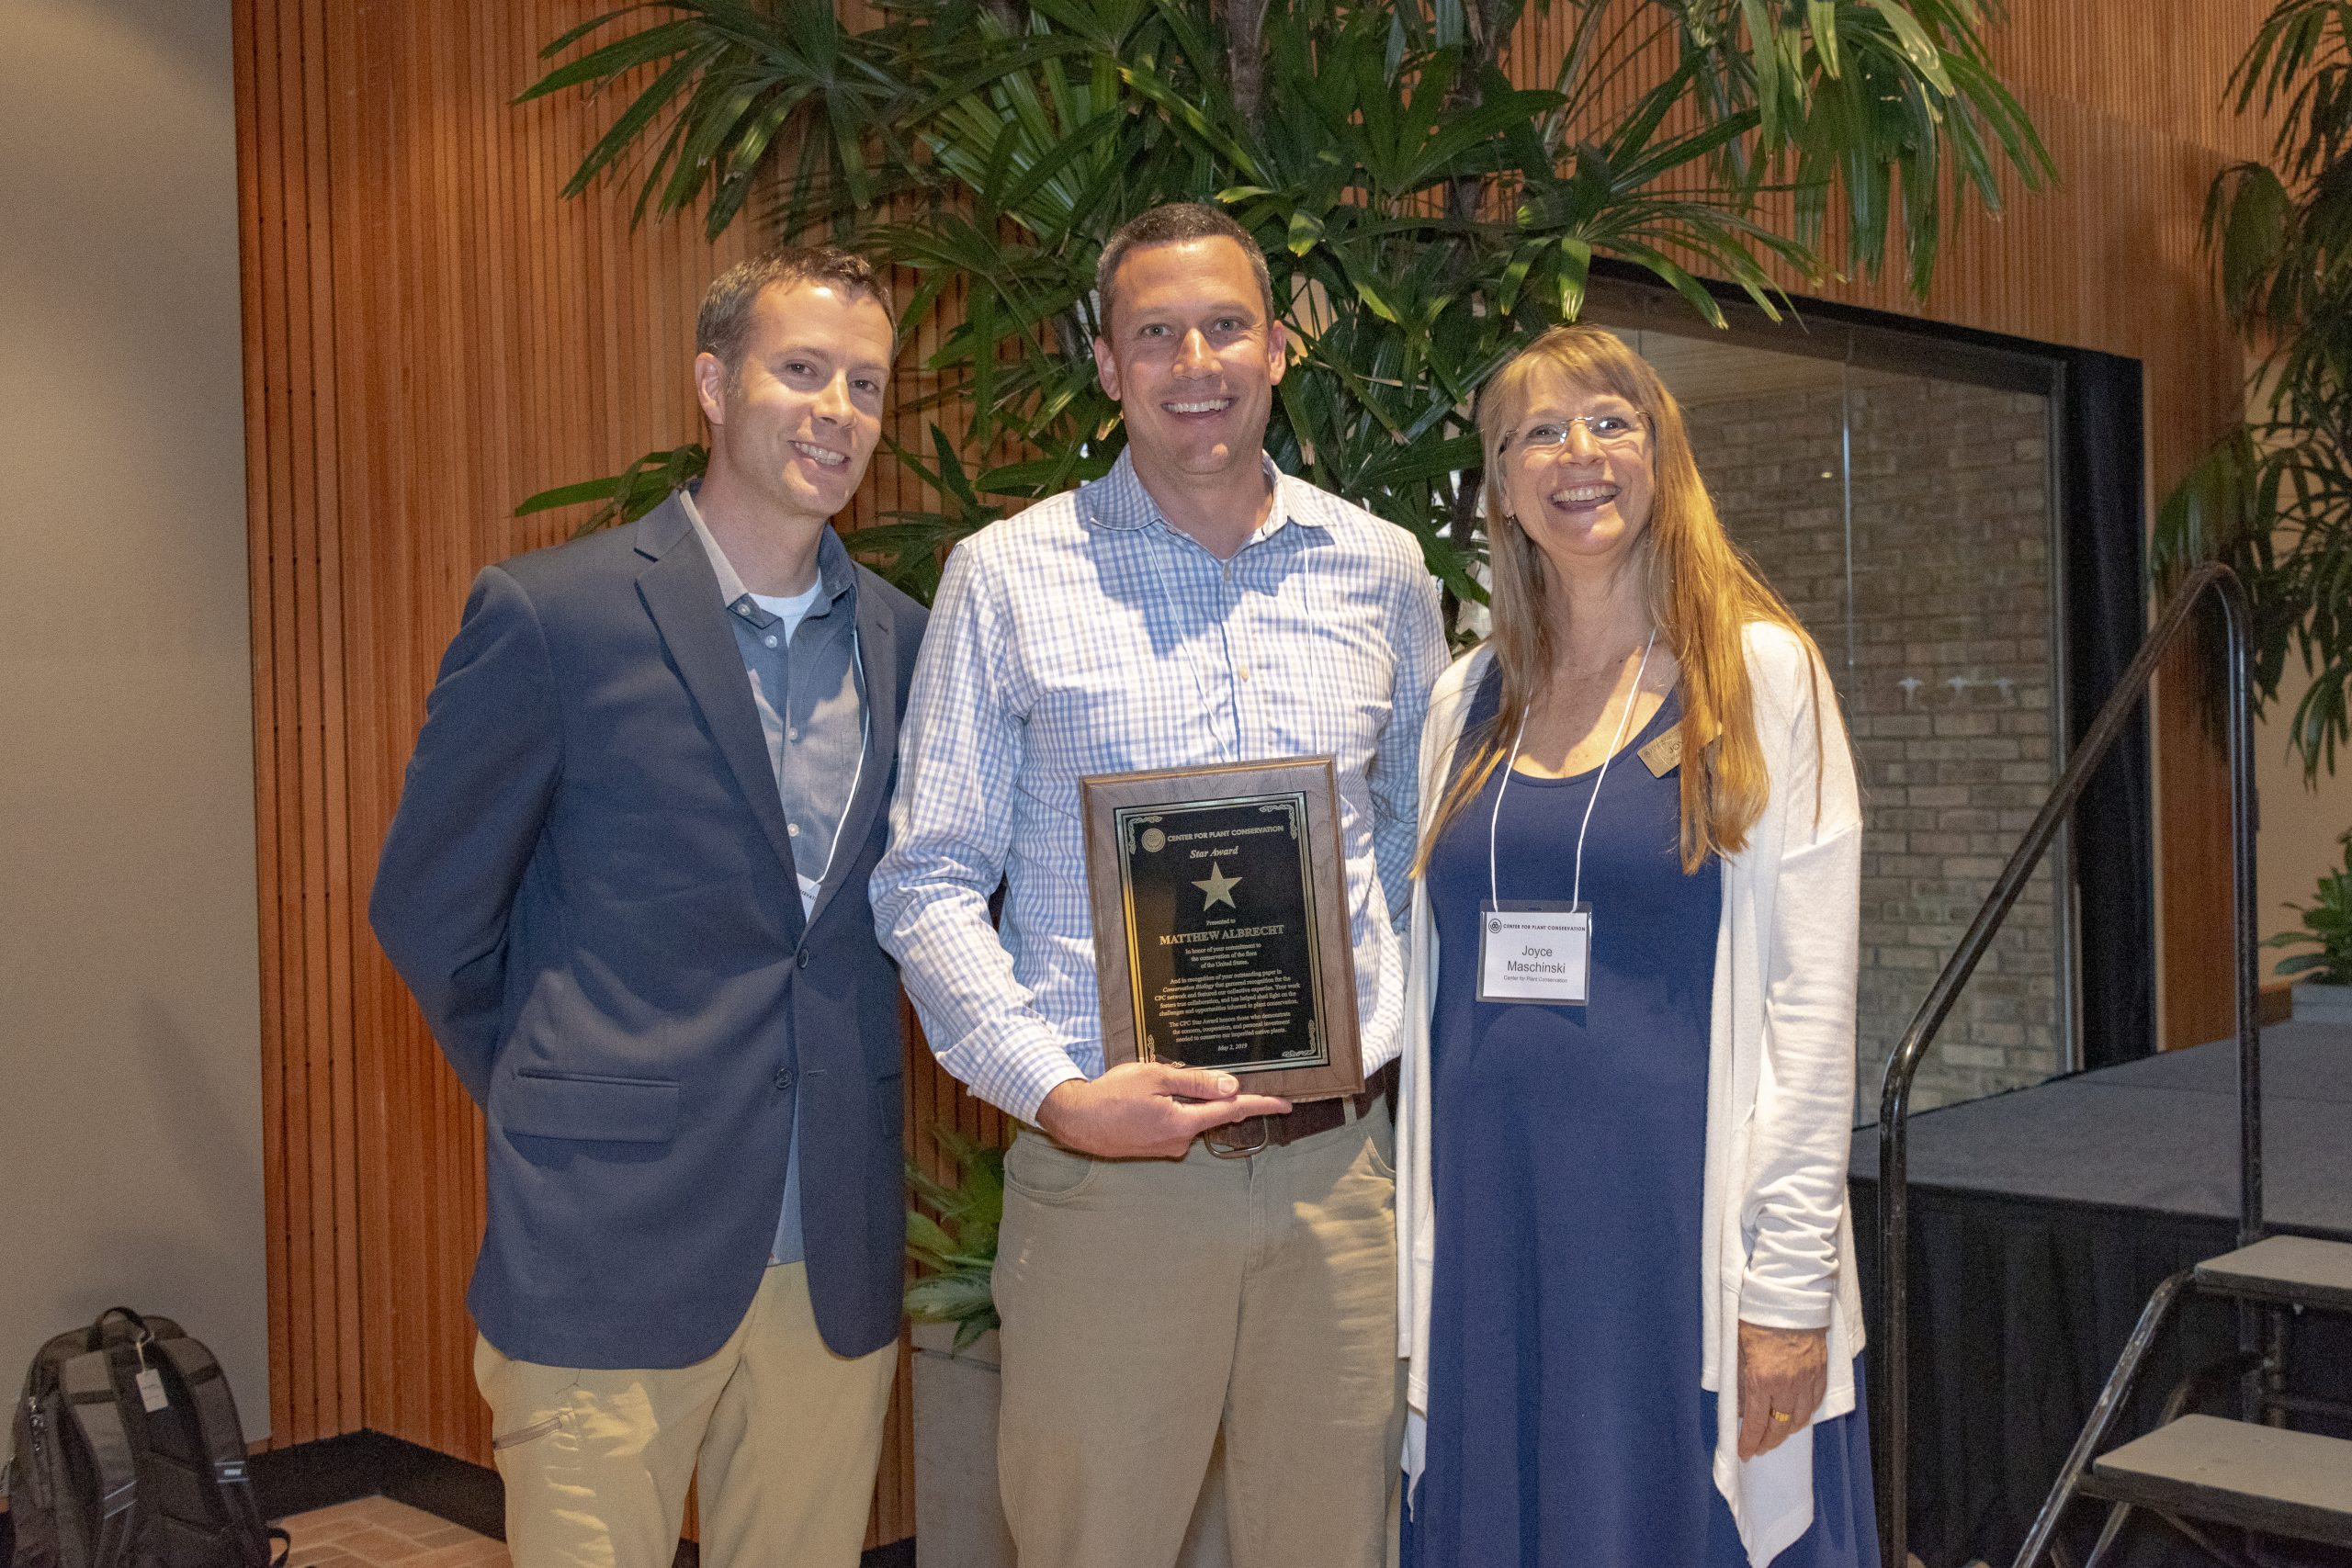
[(1239, 1140)]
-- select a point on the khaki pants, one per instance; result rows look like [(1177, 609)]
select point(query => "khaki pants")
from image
[(1148, 1303), (785, 1432)]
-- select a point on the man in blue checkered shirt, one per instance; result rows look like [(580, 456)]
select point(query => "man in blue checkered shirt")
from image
[(1178, 1258)]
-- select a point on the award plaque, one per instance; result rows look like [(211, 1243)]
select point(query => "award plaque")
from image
[(1221, 932)]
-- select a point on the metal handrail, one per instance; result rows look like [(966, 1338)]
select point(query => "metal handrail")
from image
[(1892, 1377)]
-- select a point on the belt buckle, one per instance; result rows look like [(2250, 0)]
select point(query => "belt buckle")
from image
[(1229, 1150)]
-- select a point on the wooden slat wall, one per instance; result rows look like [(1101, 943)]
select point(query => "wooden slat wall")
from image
[(431, 335)]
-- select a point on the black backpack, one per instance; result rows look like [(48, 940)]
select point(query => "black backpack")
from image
[(127, 1454)]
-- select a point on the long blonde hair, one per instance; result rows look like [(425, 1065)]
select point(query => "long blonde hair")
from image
[(1702, 593)]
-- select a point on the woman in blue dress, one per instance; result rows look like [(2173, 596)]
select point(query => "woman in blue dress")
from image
[(1628, 1292)]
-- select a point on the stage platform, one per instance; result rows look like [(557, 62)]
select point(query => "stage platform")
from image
[(2157, 1136), (2041, 1222)]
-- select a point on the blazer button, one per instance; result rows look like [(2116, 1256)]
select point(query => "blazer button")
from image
[(801, 960), (784, 1079)]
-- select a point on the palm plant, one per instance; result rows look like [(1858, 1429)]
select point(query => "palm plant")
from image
[(2327, 925), (2273, 499), (957, 1249), (1420, 213)]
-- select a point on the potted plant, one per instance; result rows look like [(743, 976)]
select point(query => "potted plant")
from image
[(2323, 994), (956, 1251), (951, 1235)]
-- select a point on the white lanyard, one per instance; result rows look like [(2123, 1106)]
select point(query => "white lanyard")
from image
[(810, 886), (1575, 892)]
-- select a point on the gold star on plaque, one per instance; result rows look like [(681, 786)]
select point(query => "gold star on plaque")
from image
[(1219, 888)]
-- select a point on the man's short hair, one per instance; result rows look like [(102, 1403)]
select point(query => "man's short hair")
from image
[(725, 320), (1172, 225)]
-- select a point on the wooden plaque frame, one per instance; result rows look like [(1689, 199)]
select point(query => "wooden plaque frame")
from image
[(1302, 792)]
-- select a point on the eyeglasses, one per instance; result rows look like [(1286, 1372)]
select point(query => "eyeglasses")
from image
[(1606, 430)]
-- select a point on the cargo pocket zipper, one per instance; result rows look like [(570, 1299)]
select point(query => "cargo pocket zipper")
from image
[(525, 1434)]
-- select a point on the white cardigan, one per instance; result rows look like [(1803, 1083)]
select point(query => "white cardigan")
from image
[(1777, 1240)]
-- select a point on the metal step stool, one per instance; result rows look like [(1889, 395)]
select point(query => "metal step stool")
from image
[(2253, 1474), (2292, 1270)]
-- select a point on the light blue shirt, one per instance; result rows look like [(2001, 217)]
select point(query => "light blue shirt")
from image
[(1087, 635), (809, 694)]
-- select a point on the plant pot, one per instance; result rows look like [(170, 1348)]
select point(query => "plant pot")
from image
[(959, 1518), (2315, 1003)]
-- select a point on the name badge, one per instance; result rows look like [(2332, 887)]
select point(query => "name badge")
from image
[(1535, 952)]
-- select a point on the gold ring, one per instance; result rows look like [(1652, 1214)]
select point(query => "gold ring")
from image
[(1780, 1415)]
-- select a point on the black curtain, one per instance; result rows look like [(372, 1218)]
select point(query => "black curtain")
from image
[(2102, 516), (2019, 1310)]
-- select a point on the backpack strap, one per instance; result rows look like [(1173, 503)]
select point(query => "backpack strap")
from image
[(88, 1387), (101, 1335), (218, 1429)]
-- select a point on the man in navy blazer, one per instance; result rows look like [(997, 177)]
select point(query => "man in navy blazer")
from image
[(627, 884)]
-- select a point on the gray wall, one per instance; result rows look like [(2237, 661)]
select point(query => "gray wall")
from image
[(130, 1164)]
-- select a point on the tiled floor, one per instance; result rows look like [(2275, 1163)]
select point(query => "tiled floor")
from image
[(375, 1532)]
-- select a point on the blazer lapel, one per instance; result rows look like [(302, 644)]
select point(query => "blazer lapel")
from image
[(681, 592), (877, 649)]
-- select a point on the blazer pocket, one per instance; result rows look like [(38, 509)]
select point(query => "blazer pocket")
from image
[(889, 1105), (590, 1107)]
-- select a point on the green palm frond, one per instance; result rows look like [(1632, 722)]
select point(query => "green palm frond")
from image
[(2273, 499), (957, 1250), (2326, 925), (1420, 212), (627, 495)]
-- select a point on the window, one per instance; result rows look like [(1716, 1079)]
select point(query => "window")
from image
[(1904, 506)]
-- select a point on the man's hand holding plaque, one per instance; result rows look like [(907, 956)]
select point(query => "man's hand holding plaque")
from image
[(1221, 937), (1147, 1109)]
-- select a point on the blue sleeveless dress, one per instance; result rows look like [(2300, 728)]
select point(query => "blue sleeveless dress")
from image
[(1566, 1426)]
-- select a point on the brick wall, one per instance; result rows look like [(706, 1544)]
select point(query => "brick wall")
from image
[(1939, 648)]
